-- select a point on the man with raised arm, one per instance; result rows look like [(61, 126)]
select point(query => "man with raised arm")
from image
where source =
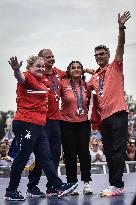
[(108, 83)]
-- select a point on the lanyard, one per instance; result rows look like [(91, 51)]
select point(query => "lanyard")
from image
[(54, 84), (79, 98), (101, 83)]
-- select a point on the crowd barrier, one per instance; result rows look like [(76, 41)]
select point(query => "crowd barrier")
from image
[(96, 168), (101, 168)]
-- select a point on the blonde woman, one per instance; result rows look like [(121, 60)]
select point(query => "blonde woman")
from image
[(28, 128)]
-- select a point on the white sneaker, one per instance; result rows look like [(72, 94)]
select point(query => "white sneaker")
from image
[(112, 191), (87, 189), (75, 192)]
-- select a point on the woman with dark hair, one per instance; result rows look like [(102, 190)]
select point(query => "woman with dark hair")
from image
[(75, 126)]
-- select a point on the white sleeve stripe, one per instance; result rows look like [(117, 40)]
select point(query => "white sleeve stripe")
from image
[(37, 91)]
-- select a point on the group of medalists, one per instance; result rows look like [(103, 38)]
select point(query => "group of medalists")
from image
[(40, 126)]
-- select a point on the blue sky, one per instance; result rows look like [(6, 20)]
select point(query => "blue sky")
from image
[(70, 28)]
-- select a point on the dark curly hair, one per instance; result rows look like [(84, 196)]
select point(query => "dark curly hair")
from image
[(68, 72), (69, 66)]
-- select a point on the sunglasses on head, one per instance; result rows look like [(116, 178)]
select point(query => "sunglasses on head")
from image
[(95, 144)]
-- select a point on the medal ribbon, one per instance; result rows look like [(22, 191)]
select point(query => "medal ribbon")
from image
[(54, 84), (79, 98), (101, 82)]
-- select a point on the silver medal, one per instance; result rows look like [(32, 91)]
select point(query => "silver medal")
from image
[(80, 111)]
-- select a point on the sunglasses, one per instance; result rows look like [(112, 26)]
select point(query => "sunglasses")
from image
[(95, 144)]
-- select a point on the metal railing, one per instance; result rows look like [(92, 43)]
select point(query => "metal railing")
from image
[(100, 168), (96, 168)]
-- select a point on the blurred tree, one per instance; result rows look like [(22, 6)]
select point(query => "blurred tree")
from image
[(131, 102)]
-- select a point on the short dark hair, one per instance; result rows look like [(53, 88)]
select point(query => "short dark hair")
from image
[(41, 53), (102, 47)]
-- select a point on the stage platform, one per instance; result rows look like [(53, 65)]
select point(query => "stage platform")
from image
[(100, 181)]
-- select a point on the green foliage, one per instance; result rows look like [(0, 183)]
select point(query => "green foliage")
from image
[(131, 103)]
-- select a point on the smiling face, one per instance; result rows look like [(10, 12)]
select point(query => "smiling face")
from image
[(95, 146), (48, 58), (38, 68), (75, 70), (3, 149), (102, 57)]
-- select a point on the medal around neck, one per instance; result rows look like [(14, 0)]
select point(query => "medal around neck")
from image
[(80, 111), (101, 93)]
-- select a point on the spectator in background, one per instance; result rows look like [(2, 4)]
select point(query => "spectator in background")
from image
[(131, 150), (130, 131), (8, 130), (95, 151), (131, 154), (4, 147), (134, 130)]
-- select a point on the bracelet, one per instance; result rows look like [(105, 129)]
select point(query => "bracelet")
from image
[(122, 28)]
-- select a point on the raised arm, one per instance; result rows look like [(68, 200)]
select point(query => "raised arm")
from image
[(15, 65), (121, 38)]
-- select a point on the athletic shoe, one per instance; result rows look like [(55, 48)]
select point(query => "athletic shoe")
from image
[(112, 191), (87, 189), (118, 191), (75, 192), (66, 188), (13, 195), (51, 192), (35, 192)]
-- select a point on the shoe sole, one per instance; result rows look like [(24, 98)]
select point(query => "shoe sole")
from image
[(110, 194), (74, 194), (68, 190), (51, 195), (11, 199), (105, 194), (88, 193), (29, 195)]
